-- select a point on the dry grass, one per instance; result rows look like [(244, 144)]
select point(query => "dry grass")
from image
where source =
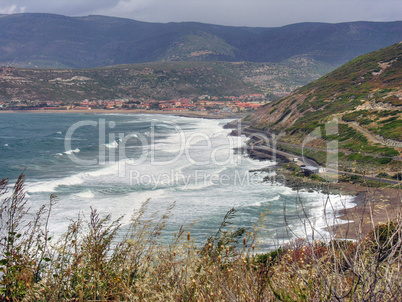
[(92, 262)]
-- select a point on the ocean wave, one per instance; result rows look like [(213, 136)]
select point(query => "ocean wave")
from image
[(267, 201), (166, 126), (277, 197), (85, 194), (198, 185), (51, 185), (112, 145), (72, 151), (110, 171), (322, 211)]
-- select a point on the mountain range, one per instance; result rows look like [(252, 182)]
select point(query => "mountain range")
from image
[(158, 80), (56, 41)]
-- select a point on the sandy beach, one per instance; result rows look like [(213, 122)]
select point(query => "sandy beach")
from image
[(196, 114), (373, 206)]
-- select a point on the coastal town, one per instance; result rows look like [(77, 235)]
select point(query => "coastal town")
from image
[(204, 103)]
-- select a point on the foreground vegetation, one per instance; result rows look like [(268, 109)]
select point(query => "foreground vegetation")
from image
[(99, 260)]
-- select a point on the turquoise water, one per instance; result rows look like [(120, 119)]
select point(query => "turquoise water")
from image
[(115, 162)]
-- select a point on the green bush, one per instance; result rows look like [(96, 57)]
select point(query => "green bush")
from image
[(365, 121), (398, 176), (385, 238), (354, 156), (268, 258), (316, 177), (383, 160)]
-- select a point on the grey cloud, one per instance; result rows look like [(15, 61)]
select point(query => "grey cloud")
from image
[(257, 12), (63, 7), (226, 12)]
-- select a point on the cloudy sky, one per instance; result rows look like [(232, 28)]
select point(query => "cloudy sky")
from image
[(226, 12)]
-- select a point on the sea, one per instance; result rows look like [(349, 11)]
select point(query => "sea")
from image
[(115, 162)]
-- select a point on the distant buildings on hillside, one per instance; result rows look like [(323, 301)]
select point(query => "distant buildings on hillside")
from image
[(227, 104)]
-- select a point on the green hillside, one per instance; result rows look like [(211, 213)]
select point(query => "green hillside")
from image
[(364, 95), (55, 41), (162, 80)]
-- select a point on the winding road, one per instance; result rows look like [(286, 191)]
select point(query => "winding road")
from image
[(261, 138)]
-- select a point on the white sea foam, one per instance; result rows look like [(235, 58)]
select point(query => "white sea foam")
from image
[(267, 201), (111, 171), (322, 212), (127, 204), (112, 192), (258, 203), (198, 185), (112, 145), (85, 194), (51, 185), (277, 197), (72, 151)]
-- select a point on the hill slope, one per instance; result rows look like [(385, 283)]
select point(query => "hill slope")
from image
[(47, 40), (162, 80), (364, 95)]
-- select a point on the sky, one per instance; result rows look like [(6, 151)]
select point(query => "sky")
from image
[(263, 13)]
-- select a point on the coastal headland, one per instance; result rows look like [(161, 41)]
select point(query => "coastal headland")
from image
[(377, 200)]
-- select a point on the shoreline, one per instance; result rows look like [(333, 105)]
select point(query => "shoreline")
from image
[(376, 204), (372, 205), (195, 114)]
